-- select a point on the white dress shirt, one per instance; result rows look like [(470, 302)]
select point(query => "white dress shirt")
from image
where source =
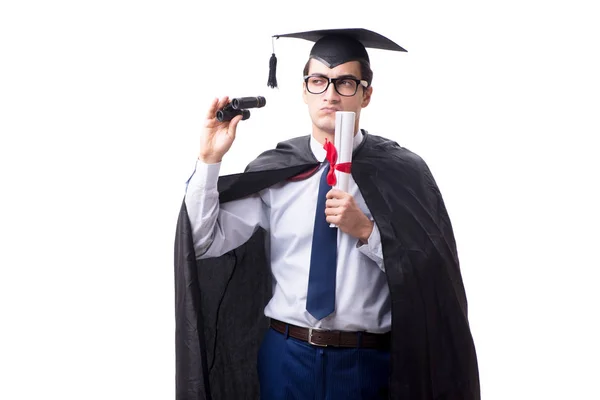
[(287, 211)]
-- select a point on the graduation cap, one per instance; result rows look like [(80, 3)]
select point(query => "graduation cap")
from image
[(337, 46)]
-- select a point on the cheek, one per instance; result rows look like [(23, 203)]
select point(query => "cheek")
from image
[(354, 105), (312, 107)]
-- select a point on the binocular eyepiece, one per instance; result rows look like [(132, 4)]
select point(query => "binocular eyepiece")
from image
[(238, 106)]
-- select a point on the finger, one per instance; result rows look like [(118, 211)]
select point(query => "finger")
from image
[(212, 109), (336, 194), (333, 219), (223, 101), (334, 202), (216, 105), (338, 212)]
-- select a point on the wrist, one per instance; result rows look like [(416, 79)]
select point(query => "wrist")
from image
[(209, 158), (366, 232)]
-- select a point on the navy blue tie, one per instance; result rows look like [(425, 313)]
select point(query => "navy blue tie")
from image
[(320, 301)]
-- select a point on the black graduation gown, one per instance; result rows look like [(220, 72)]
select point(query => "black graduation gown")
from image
[(220, 301)]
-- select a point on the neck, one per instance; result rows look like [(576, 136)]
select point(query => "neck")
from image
[(320, 135)]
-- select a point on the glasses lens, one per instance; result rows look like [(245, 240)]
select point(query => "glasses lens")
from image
[(346, 87), (316, 84)]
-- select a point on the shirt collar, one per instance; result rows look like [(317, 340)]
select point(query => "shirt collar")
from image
[(320, 153)]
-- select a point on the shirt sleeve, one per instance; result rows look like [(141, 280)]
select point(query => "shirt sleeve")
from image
[(372, 248), (216, 228)]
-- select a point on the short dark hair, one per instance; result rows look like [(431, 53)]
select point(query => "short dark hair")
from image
[(365, 70)]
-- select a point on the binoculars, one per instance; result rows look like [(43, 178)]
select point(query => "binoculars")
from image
[(238, 106)]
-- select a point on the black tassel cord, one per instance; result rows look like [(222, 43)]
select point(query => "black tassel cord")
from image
[(272, 82)]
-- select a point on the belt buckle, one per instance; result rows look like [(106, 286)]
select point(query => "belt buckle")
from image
[(310, 333)]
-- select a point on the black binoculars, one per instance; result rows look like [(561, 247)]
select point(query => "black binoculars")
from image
[(238, 106)]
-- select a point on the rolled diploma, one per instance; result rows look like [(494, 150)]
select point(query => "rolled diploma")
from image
[(343, 142)]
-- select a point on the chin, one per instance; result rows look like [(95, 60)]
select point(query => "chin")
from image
[(327, 125)]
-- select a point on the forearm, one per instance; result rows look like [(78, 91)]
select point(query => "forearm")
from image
[(202, 203), (216, 228)]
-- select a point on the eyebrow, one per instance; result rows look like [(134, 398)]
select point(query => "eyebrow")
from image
[(338, 77)]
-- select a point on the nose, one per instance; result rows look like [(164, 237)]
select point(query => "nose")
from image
[(331, 94)]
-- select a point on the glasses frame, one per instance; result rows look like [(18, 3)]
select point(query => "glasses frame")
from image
[(359, 82)]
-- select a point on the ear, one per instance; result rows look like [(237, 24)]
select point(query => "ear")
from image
[(367, 96), (304, 94)]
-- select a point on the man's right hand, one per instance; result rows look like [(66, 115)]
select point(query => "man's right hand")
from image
[(217, 137)]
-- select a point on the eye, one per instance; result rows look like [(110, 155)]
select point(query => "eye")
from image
[(317, 81), (347, 82)]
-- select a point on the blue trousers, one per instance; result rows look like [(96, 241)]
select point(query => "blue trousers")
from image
[(290, 369)]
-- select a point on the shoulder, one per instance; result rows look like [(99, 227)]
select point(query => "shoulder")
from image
[(291, 152), (380, 150)]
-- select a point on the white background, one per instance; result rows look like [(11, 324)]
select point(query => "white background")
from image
[(101, 104)]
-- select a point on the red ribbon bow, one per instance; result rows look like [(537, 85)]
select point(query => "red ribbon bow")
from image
[(332, 158)]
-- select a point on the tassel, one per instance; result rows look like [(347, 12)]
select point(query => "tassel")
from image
[(272, 82)]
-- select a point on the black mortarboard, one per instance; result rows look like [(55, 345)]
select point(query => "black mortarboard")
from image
[(337, 46)]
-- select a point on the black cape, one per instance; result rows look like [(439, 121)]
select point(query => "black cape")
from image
[(220, 301)]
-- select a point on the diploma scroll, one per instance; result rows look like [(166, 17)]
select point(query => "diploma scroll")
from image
[(343, 141)]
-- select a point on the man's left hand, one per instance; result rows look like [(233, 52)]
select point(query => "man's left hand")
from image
[(341, 209)]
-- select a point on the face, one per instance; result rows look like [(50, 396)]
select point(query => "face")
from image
[(322, 107)]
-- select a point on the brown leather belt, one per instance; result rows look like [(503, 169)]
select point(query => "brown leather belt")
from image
[(324, 338)]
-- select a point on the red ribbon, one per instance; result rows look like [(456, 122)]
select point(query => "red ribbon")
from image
[(332, 158)]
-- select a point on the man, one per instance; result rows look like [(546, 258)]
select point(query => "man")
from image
[(372, 309)]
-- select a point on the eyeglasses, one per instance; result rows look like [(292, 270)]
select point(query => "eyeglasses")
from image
[(345, 86)]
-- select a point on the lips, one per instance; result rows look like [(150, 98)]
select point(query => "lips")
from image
[(328, 110)]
